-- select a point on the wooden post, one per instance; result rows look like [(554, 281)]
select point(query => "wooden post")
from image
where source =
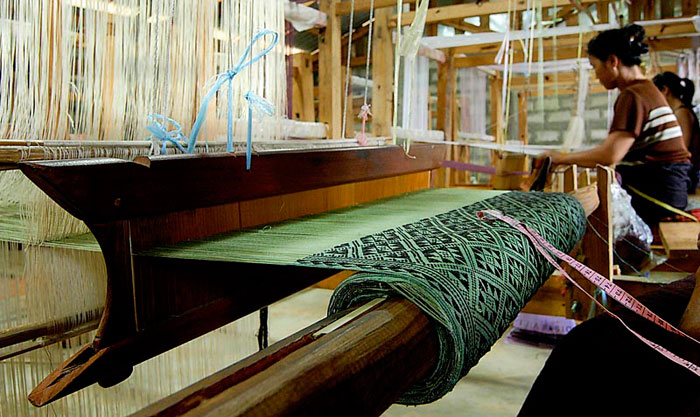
[(330, 71), (689, 7), (443, 112), (649, 8), (382, 73), (602, 10), (596, 245), (304, 82), (635, 11), (570, 179), (496, 108), (522, 117), (667, 8)]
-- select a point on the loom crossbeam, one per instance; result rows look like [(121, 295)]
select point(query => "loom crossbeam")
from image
[(356, 362), (154, 305)]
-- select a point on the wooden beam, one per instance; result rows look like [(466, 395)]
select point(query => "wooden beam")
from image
[(329, 71), (522, 117), (602, 11), (596, 244), (649, 8), (496, 108), (303, 66), (364, 5), (652, 31), (382, 81), (562, 41), (568, 53), (464, 26), (461, 11), (358, 369), (689, 7)]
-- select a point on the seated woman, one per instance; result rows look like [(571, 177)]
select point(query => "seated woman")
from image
[(600, 368), (679, 94), (645, 140)]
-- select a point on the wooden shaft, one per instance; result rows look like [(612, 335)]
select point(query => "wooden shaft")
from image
[(359, 368)]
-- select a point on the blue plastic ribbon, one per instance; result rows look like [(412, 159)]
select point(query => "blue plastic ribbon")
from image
[(159, 131), (220, 80), (262, 107)]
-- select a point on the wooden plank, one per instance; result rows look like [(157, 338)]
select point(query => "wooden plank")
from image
[(330, 70), (571, 52), (364, 5), (680, 239), (462, 11), (522, 117), (382, 71), (570, 179), (373, 359), (571, 41), (584, 178), (103, 190)]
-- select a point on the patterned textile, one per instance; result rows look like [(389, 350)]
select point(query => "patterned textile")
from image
[(471, 276)]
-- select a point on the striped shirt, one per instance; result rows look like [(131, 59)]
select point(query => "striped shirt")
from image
[(642, 111)]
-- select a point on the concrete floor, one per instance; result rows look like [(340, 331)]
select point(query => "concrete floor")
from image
[(496, 387)]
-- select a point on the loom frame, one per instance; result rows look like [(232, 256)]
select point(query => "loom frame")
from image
[(123, 203)]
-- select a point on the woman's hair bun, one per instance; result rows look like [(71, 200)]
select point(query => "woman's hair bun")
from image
[(636, 35), (626, 43)]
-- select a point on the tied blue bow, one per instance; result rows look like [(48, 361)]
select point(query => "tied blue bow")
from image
[(253, 100), (160, 132)]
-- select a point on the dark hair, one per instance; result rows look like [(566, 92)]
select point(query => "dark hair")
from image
[(682, 88), (627, 44)]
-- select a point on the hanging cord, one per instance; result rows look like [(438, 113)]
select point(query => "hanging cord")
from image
[(408, 47), (226, 77), (365, 109), (397, 64), (158, 122), (347, 68)]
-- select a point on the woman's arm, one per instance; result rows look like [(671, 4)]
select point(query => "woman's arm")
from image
[(690, 322), (611, 151)]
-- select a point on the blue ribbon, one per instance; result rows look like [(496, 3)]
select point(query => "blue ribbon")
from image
[(160, 132), (262, 107), (219, 81)]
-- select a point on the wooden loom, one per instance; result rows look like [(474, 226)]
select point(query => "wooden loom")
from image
[(155, 304), (133, 206)]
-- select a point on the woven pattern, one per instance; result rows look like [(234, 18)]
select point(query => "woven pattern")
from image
[(472, 276)]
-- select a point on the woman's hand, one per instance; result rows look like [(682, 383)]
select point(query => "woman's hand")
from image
[(556, 157)]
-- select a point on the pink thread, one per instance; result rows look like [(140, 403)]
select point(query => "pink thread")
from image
[(615, 292), (364, 115)]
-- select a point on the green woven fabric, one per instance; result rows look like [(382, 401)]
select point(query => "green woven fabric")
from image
[(284, 242), (471, 276)]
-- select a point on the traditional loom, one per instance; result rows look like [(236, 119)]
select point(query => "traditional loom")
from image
[(128, 219), (153, 301)]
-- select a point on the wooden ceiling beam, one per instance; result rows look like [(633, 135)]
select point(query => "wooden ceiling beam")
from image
[(466, 27), (652, 31), (461, 11), (567, 53), (364, 5)]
